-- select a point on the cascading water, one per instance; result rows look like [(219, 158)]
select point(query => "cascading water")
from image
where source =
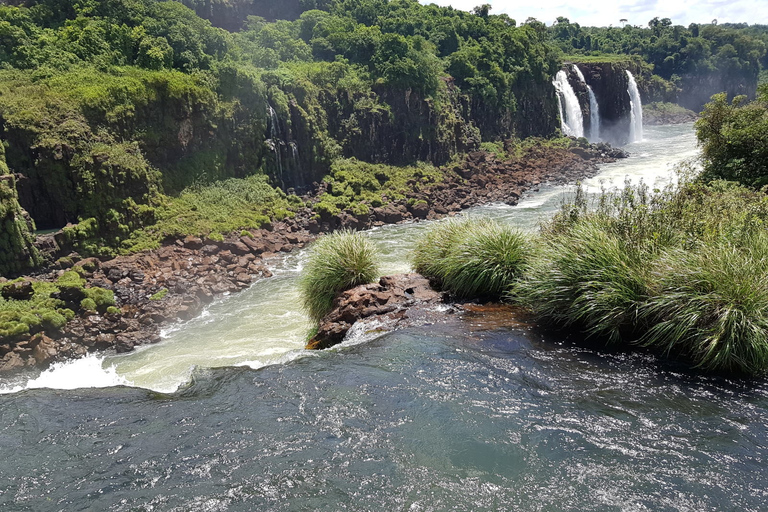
[(594, 109), (274, 141), (571, 118), (636, 114)]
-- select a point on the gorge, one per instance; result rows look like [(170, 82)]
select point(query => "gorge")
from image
[(166, 166)]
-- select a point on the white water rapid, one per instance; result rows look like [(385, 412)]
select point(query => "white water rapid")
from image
[(594, 109), (636, 122), (571, 118)]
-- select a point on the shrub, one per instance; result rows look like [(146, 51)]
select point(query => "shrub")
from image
[(53, 320), (337, 262), (711, 305), (88, 304), (588, 277), (472, 257), (101, 297), (160, 295)]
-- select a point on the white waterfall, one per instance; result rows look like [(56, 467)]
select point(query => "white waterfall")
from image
[(571, 119), (594, 117), (636, 111), (274, 141), (594, 109)]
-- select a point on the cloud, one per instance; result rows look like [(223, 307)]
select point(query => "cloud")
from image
[(637, 12)]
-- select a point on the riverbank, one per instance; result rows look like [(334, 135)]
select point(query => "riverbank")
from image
[(662, 113), (154, 289)]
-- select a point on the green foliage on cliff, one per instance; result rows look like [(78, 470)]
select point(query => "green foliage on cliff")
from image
[(734, 139), (17, 252)]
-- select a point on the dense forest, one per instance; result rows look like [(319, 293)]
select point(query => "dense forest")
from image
[(115, 115)]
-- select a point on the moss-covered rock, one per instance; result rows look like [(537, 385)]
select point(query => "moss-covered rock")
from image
[(17, 252)]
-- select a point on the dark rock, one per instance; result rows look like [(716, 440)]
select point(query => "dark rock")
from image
[(390, 294), (193, 242), (21, 290)]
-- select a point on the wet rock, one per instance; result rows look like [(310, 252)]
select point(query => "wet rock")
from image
[(390, 294), (11, 362)]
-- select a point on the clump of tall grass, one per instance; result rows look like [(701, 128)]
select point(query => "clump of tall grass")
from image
[(683, 270), (589, 277), (472, 257), (711, 305), (337, 262)]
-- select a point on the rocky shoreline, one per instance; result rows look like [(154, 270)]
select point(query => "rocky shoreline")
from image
[(153, 289)]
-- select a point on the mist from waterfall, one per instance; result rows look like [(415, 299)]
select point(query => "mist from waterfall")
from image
[(636, 113), (594, 109), (571, 118)]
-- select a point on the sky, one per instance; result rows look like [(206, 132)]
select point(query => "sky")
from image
[(636, 12)]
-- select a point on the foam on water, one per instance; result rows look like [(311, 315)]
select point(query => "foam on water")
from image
[(86, 372)]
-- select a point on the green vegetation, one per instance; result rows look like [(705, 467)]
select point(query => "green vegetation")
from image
[(665, 113), (358, 186), (682, 270), (159, 295), (16, 250), (337, 262), (28, 307), (215, 210), (472, 257), (734, 139)]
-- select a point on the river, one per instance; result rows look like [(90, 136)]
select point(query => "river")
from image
[(228, 412)]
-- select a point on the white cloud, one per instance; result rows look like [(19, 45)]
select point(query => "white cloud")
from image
[(637, 12)]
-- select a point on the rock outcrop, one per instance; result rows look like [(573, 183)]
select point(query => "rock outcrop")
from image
[(388, 301)]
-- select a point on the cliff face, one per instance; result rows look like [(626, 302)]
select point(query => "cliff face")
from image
[(698, 88), (17, 252)]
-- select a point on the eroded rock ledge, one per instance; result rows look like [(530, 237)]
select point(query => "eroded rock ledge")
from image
[(155, 288), (400, 301)]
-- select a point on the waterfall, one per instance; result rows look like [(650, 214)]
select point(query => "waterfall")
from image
[(571, 119), (636, 111), (594, 117), (594, 109), (274, 141)]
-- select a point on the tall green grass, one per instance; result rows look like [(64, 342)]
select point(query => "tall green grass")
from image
[(472, 257), (589, 277), (711, 305), (683, 270), (337, 262)]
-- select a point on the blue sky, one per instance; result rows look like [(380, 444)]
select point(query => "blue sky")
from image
[(637, 12)]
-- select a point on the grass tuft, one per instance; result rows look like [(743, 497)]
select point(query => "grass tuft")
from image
[(712, 306), (472, 257), (337, 262)]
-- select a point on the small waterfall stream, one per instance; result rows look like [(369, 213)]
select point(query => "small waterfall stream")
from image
[(275, 141), (636, 119), (571, 118), (594, 109)]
